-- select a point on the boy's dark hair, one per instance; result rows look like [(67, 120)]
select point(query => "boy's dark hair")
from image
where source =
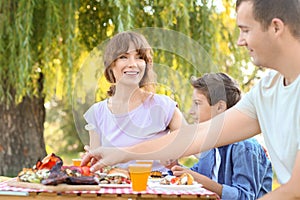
[(216, 87)]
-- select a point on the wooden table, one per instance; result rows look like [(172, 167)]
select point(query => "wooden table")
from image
[(102, 193)]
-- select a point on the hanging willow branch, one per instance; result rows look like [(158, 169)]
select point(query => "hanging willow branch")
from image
[(36, 34)]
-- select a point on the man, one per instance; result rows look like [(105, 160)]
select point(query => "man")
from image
[(270, 30)]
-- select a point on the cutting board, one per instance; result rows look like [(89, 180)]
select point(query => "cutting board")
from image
[(57, 188)]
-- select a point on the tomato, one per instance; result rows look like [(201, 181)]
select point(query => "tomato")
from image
[(174, 180), (85, 171), (125, 180)]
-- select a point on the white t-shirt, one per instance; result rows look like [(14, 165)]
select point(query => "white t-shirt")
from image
[(277, 108), (216, 168)]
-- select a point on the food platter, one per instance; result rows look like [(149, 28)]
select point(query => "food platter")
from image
[(56, 188), (51, 175)]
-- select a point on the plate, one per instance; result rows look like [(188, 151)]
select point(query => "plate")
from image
[(154, 180), (115, 185), (193, 187)]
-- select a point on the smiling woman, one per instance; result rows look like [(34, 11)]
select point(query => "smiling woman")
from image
[(119, 49), (129, 66), (133, 112)]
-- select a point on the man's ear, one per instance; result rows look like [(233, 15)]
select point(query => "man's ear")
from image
[(222, 106), (277, 26)]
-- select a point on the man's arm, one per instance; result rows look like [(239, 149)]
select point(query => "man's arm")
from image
[(228, 127), (290, 190)]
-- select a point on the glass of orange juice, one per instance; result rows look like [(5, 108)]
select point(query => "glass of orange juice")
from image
[(139, 174), (150, 162), (76, 161)]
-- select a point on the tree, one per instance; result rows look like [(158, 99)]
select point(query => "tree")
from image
[(36, 45)]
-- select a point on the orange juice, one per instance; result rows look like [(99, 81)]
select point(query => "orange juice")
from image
[(76, 161), (144, 162), (139, 174)]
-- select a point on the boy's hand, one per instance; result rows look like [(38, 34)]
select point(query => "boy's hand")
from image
[(179, 170)]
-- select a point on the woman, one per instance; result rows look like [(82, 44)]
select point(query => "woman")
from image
[(133, 113)]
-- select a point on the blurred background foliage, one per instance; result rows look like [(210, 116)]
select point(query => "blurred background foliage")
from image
[(53, 38), (210, 23)]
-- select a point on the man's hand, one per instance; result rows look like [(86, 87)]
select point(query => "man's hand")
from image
[(91, 156), (92, 161), (103, 156)]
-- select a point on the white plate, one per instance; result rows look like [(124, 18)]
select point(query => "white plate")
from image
[(154, 180), (115, 185), (176, 187)]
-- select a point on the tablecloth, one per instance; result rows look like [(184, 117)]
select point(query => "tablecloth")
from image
[(105, 190)]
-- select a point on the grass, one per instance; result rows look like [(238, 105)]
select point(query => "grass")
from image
[(275, 183)]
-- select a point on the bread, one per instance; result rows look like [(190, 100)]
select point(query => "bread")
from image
[(186, 179), (118, 172), (156, 174)]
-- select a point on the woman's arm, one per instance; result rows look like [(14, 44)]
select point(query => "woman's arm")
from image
[(94, 140), (177, 120)]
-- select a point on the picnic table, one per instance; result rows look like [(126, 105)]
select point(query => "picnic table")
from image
[(9, 189)]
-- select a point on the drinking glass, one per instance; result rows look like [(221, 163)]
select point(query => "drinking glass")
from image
[(139, 174), (76, 161)]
